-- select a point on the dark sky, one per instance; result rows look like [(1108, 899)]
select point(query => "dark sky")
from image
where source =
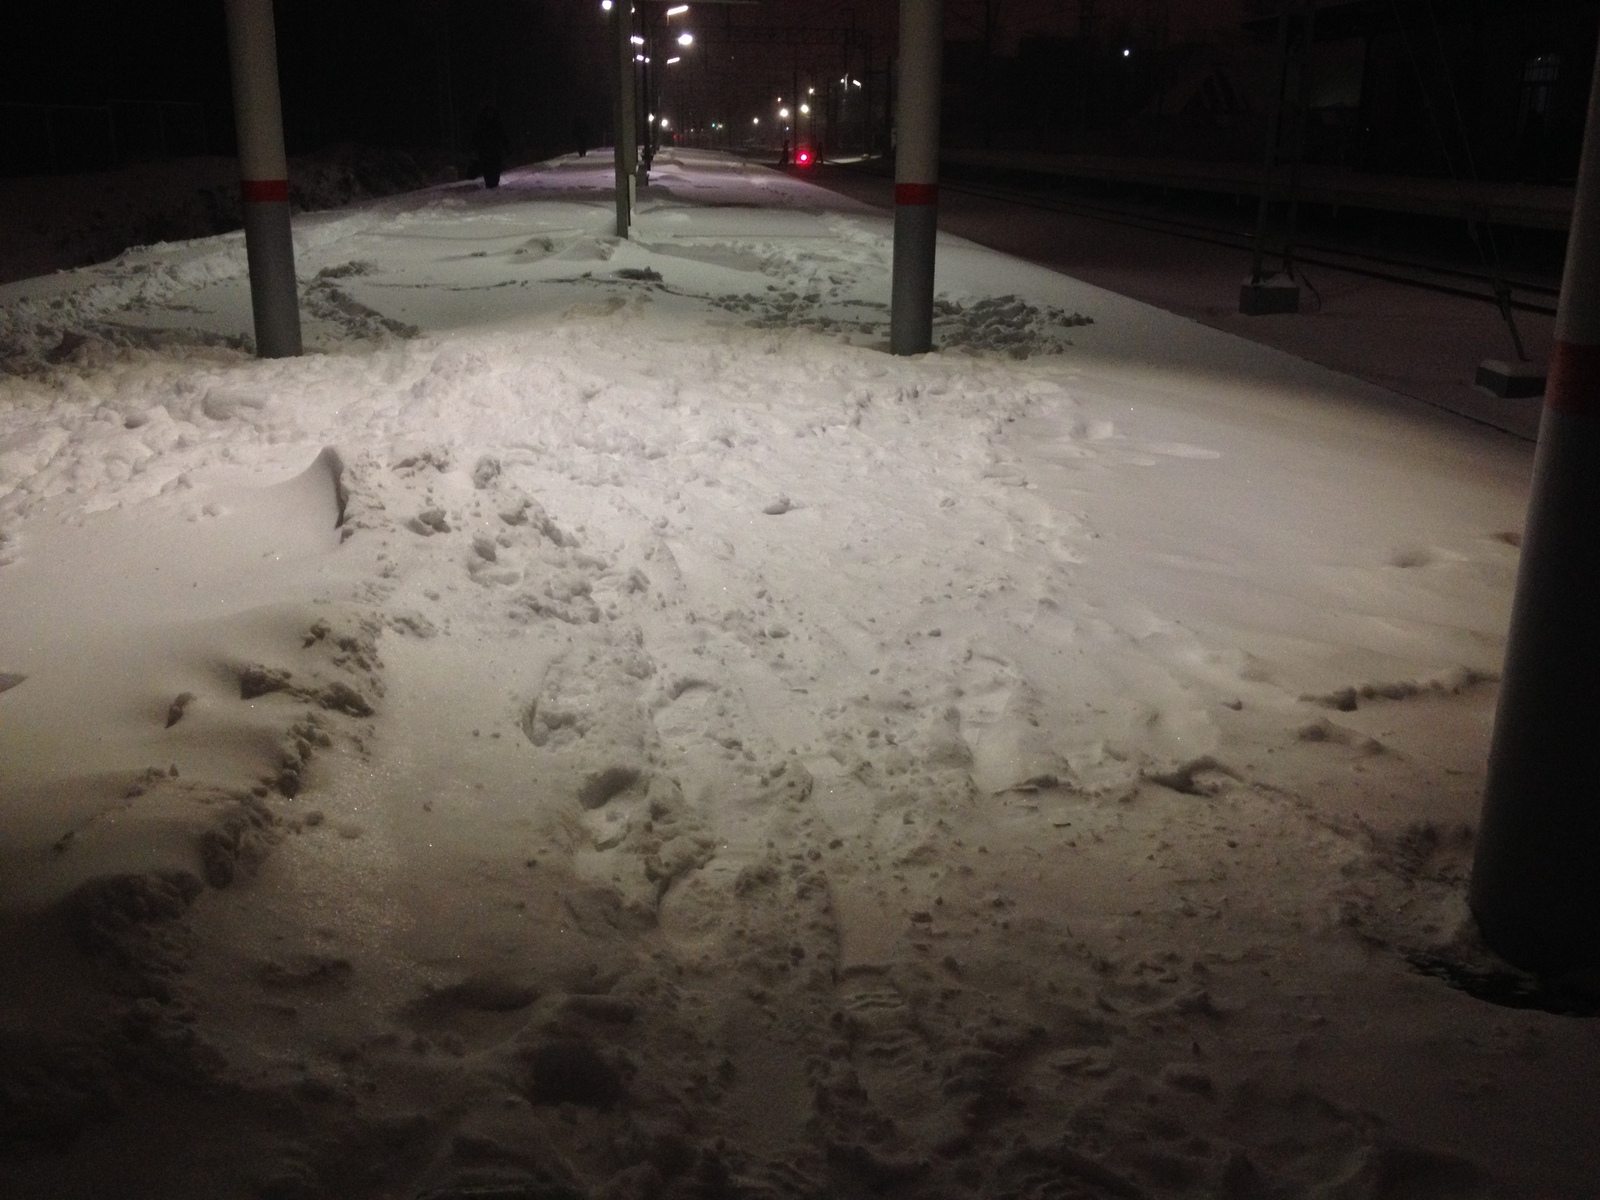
[(413, 72)]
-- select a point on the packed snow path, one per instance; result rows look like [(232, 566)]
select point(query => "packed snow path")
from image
[(599, 726)]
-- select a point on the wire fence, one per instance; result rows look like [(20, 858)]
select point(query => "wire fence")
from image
[(47, 139)]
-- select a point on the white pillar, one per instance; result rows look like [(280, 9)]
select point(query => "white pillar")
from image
[(263, 176), (622, 19), (1536, 878), (916, 177)]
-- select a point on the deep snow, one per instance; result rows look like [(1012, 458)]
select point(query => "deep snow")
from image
[(598, 725)]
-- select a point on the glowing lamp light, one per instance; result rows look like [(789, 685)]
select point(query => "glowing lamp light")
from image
[(636, 39), (605, 5), (784, 113), (755, 120), (1126, 52), (686, 39), (677, 10), (802, 158), (673, 59), (805, 109)]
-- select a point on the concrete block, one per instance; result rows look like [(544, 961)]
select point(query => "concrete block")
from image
[(1274, 294), (1510, 381)]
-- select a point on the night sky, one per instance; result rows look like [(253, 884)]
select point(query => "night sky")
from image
[(413, 73)]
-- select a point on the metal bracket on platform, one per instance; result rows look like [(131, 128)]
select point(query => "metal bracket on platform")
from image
[(1272, 294), (1510, 381)]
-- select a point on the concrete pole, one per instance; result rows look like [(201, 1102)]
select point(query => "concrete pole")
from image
[(622, 20), (647, 153), (1280, 74), (916, 177), (1536, 879), (264, 177)]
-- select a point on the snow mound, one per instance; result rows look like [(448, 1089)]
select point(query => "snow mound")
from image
[(573, 735)]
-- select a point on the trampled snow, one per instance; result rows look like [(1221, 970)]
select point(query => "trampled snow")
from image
[(598, 725)]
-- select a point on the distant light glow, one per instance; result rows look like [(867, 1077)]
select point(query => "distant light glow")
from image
[(804, 109), (677, 10), (686, 39), (1126, 52), (664, 123), (855, 83), (605, 5), (803, 158), (673, 59), (755, 120), (636, 39), (784, 113)]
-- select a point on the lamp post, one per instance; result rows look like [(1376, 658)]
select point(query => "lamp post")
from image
[(623, 102), (1536, 875), (263, 177), (916, 176)]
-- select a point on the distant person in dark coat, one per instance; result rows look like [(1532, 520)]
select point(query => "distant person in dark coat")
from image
[(489, 140)]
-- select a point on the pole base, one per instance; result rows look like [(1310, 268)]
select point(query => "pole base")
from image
[(274, 292), (1272, 295), (916, 235), (1510, 381)]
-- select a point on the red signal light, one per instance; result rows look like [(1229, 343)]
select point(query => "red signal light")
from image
[(802, 158)]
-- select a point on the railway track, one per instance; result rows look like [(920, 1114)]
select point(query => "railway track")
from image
[(1526, 294)]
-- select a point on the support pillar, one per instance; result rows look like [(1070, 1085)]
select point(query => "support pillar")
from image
[(264, 177), (916, 177), (646, 116), (1262, 294), (1536, 879), (627, 148)]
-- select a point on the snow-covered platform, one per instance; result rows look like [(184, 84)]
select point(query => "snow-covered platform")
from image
[(599, 722)]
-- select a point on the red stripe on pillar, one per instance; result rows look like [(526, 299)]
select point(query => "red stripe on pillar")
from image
[(1574, 384), (265, 191), (916, 193)]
